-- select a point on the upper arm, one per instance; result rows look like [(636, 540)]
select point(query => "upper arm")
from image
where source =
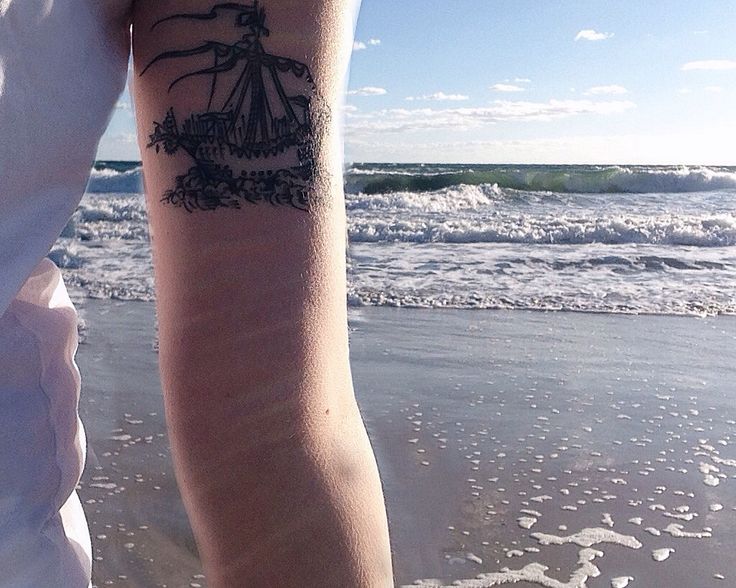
[(235, 106), (235, 118)]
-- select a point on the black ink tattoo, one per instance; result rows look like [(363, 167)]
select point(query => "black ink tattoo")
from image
[(259, 107)]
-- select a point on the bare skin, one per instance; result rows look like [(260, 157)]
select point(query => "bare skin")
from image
[(271, 454)]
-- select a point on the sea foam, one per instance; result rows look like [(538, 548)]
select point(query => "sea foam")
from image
[(505, 239)]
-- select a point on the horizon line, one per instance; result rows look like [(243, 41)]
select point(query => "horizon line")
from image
[(609, 164)]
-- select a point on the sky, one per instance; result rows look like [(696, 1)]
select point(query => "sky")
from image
[(532, 81)]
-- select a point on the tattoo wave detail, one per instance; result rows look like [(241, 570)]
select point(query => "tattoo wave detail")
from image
[(259, 107)]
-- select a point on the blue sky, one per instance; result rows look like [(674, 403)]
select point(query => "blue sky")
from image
[(522, 81)]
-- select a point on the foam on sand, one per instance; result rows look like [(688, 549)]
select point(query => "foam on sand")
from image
[(535, 572), (526, 522), (662, 554), (588, 537), (711, 480), (675, 530)]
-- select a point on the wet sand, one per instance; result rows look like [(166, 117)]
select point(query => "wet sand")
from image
[(140, 533), (498, 435)]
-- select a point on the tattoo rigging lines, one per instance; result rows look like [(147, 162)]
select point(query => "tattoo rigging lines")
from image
[(259, 107)]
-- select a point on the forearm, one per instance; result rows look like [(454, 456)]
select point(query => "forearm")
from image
[(272, 458)]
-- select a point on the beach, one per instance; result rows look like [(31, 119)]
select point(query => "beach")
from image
[(566, 446), (543, 356)]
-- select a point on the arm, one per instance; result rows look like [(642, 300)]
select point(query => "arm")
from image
[(247, 220)]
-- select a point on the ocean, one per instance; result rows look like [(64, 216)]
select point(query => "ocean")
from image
[(613, 239)]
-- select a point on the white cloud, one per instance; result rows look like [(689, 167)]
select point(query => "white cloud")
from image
[(440, 97), (592, 35), (363, 45), (608, 90), (402, 119), (122, 105), (709, 89), (521, 110), (522, 80), (368, 91), (349, 108), (709, 64), (506, 88)]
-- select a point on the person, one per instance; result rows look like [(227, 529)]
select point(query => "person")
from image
[(237, 107)]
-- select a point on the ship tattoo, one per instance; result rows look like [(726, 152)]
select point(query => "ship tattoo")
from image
[(259, 108)]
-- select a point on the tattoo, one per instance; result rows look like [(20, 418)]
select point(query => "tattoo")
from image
[(259, 107)]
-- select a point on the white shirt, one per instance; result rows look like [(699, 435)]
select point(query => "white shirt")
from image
[(63, 64)]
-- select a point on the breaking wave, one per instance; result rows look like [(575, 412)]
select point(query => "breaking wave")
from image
[(709, 231), (562, 179), (116, 178)]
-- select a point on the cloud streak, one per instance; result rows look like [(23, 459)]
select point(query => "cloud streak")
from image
[(709, 64), (612, 89), (707, 149), (592, 35), (439, 97), (398, 120), (368, 91), (363, 45), (506, 88)]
